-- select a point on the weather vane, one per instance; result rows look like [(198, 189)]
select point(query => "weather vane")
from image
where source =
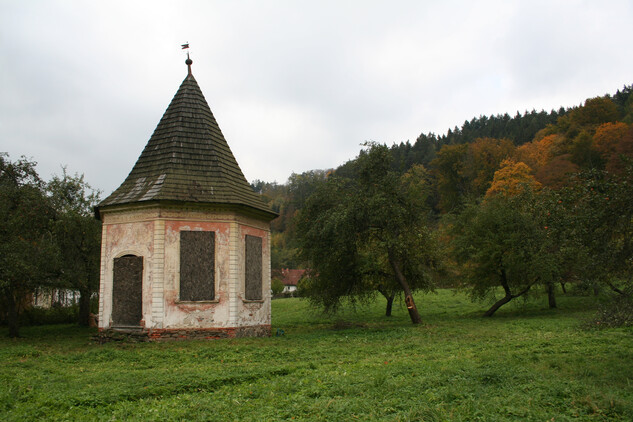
[(188, 62)]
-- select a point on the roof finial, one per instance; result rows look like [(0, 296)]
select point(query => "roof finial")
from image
[(188, 62)]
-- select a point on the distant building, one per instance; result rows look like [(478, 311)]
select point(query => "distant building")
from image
[(290, 279), (185, 247), (48, 298)]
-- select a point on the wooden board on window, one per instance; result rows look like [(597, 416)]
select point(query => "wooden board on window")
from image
[(197, 265), (253, 268)]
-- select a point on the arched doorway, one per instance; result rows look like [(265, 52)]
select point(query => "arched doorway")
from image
[(127, 290)]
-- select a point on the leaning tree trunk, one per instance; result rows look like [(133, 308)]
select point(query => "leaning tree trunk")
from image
[(614, 288), (508, 296), (562, 286), (408, 295), (84, 307)]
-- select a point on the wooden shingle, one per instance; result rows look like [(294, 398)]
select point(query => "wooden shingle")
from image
[(187, 159)]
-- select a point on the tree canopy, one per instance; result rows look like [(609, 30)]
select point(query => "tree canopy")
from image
[(504, 242), (464, 168), (28, 252), (48, 237), (78, 237), (359, 236)]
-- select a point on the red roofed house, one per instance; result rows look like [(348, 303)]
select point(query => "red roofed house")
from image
[(290, 279)]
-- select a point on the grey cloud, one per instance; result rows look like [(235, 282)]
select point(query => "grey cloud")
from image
[(294, 85)]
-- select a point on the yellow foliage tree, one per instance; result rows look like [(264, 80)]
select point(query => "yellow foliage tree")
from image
[(511, 179), (485, 155)]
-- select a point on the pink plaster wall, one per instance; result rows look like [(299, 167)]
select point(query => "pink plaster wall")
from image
[(134, 233), (254, 313), (190, 314), (122, 239)]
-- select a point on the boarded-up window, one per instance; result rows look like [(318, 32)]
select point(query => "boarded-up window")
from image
[(253, 268), (127, 291), (197, 265)]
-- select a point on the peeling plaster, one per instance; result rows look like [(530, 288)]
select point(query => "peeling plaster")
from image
[(134, 231)]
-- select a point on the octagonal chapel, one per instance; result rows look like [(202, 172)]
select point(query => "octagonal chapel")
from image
[(185, 250)]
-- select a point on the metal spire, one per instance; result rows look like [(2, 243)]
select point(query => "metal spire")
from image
[(188, 62)]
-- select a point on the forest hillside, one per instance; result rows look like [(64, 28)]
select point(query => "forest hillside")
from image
[(546, 147)]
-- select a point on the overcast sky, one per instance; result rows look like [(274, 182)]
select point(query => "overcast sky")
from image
[(294, 85)]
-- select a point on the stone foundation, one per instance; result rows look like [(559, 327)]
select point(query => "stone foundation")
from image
[(174, 334)]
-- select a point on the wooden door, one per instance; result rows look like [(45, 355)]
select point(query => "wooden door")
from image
[(127, 291)]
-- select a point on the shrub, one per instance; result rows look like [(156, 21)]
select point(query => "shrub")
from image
[(277, 286), (617, 312), (52, 315)]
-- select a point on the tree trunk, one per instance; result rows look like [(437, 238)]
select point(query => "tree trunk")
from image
[(550, 295), (509, 296), (389, 297), (84, 307), (408, 296), (562, 286), (612, 287), (12, 315), (389, 304)]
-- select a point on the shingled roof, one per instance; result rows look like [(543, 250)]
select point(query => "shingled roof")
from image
[(188, 160)]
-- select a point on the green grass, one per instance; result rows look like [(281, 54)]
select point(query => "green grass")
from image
[(527, 363)]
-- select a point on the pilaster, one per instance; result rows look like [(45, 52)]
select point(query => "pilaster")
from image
[(234, 274), (158, 274), (268, 278), (102, 276)]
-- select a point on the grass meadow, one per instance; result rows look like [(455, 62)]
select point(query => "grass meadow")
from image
[(527, 363)]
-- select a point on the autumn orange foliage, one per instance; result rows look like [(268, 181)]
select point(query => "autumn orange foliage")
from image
[(613, 140), (512, 178), (555, 174), (538, 153)]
